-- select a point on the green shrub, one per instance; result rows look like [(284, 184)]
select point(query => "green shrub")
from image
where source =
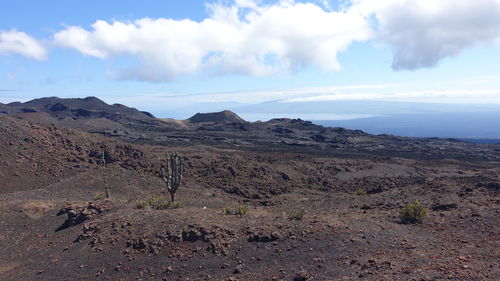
[(99, 196), (140, 204), (159, 202), (155, 199), (175, 205), (298, 214), (360, 192), (413, 213), (241, 210), (227, 211)]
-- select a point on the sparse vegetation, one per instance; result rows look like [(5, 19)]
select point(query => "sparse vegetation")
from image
[(140, 204), (298, 214), (99, 196), (161, 203), (176, 205), (413, 213), (157, 202), (240, 211), (227, 211), (360, 192), (35, 209)]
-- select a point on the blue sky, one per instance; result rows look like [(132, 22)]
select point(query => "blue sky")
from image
[(169, 56)]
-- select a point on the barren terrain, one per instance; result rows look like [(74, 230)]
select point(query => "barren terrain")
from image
[(322, 203)]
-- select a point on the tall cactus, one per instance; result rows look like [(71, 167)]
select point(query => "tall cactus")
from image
[(107, 188), (173, 175), (103, 158)]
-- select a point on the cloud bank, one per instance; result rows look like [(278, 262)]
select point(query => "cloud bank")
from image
[(251, 37), (243, 38), (15, 42)]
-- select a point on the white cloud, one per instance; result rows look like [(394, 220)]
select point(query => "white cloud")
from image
[(245, 38), (423, 32), (21, 43), (252, 38)]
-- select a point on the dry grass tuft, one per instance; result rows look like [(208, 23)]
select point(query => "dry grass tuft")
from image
[(36, 209), (5, 268)]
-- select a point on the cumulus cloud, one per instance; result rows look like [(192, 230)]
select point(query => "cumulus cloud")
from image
[(21, 43), (424, 32), (252, 38), (246, 37)]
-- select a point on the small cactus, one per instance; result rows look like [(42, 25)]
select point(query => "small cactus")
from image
[(103, 158), (103, 163), (108, 191)]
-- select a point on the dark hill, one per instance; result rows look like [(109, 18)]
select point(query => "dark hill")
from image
[(77, 107), (3, 108), (90, 114), (226, 129), (225, 116)]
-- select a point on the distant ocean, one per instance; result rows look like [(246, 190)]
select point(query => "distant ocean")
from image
[(304, 116), (481, 127)]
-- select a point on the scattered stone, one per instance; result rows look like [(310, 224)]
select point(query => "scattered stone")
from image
[(218, 238), (80, 213), (99, 272), (238, 269), (262, 235), (444, 207), (302, 275)]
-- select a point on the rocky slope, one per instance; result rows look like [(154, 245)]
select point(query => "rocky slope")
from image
[(33, 155), (313, 213)]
